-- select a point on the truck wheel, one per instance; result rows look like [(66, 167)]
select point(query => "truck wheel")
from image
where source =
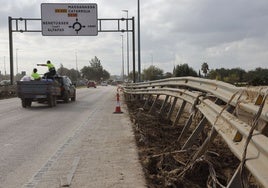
[(50, 101), (66, 97), (54, 101), (23, 103), (28, 102), (74, 97)]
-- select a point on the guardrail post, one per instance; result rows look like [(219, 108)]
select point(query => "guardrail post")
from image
[(195, 133), (206, 143), (186, 127), (178, 116), (147, 101), (152, 109), (142, 97), (132, 97), (172, 107), (138, 97), (164, 104)]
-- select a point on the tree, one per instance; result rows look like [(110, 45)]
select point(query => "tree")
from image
[(168, 75), (235, 75), (152, 73), (73, 74), (105, 74), (62, 70), (205, 68), (95, 71), (184, 70), (219, 74), (258, 76), (213, 74)]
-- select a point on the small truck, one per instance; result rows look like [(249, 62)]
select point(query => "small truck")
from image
[(46, 90), (39, 90)]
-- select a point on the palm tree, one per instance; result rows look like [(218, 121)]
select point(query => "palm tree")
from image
[(205, 68)]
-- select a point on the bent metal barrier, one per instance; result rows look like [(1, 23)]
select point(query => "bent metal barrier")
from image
[(238, 114)]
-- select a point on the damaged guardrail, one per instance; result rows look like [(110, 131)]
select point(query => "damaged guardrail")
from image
[(221, 105), (224, 91)]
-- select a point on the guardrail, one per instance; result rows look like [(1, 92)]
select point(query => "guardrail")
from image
[(221, 105)]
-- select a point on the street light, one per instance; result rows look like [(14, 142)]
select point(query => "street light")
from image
[(76, 64), (5, 65), (17, 60), (127, 45), (139, 46), (122, 36)]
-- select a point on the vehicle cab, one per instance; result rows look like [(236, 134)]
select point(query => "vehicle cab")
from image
[(68, 89)]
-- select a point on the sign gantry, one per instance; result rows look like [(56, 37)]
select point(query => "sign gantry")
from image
[(70, 20)]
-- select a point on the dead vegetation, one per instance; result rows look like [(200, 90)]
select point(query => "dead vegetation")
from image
[(166, 165), (7, 92)]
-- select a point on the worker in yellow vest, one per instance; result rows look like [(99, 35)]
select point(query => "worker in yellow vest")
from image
[(51, 69), (35, 75)]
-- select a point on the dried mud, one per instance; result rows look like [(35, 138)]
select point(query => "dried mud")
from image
[(7, 94), (163, 161)]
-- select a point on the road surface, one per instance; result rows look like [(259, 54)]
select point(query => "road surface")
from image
[(81, 143)]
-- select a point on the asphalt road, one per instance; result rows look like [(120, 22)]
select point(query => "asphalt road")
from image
[(39, 145)]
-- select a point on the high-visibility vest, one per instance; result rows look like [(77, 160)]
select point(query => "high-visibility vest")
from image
[(50, 67), (35, 76)]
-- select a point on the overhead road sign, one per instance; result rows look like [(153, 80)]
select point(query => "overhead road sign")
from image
[(66, 19), (22, 25)]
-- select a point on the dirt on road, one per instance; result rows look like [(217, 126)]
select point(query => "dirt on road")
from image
[(166, 165)]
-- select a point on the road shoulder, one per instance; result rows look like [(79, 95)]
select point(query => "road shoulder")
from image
[(102, 153)]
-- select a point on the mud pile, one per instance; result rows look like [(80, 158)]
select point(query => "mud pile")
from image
[(166, 165)]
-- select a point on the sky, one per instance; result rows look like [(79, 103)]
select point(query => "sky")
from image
[(224, 33)]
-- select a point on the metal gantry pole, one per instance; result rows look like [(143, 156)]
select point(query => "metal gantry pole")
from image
[(17, 69), (127, 50), (133, 49), (127, 43), (10, 50), (123, 67)]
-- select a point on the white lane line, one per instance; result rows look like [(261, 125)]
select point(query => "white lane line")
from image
[(66, 180), (38, 176)]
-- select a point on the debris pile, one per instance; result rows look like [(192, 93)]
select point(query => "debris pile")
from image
[(166, 165)]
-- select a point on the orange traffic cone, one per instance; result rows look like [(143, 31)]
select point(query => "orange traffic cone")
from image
[(117, 108)]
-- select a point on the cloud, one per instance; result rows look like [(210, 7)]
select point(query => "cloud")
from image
[(223, 33), (192, 28)]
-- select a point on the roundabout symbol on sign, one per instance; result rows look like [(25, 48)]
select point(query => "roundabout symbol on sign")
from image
[(77, 26)]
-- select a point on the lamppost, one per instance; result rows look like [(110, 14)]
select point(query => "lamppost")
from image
[(127, 45), (122, 36), (76, 64), (5, 65), (17, 60), (76, 60), (139, 46)]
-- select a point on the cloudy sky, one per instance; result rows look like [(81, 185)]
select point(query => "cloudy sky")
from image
[(223, 33)]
